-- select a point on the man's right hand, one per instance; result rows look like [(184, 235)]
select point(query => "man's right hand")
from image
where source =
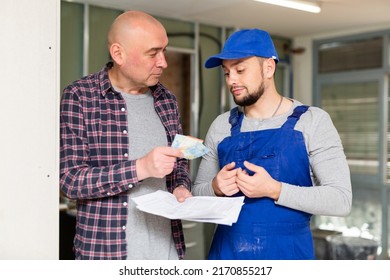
[(158, 163), (225, 181)]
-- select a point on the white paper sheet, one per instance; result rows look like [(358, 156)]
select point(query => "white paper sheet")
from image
[(206, 209)]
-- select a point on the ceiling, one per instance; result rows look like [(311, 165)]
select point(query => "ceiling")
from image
[(336, 15)]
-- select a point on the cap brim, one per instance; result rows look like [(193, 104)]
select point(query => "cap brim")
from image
[(216, 60), (212, 62)]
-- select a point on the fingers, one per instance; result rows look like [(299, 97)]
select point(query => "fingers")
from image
[(243, 179), (230, 187), (225, 181), (229, 166), (170, 152), (158, 163), (260, 184), (251, 166), (181, 193), (231, 190)]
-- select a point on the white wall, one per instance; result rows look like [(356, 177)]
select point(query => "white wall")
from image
[(302, 71), (29, 104), (29, 98)]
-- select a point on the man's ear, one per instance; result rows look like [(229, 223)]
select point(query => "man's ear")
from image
[(269, 67), (117, 53)]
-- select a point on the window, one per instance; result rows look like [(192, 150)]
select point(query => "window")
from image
[(347, 56), (352, 84), (354, 108)]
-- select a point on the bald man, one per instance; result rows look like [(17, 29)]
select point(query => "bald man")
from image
[(117, 126)]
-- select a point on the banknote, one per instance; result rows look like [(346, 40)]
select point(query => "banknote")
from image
[(191, 147)]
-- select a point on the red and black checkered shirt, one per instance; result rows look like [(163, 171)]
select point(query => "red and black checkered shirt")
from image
[(94, 165)]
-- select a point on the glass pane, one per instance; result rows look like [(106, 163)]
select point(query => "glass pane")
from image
[(210, 81), (365, 221), (100, 20), (177, 78), (181, 34), (388, 134), (280, 78), (285, 49), (354, 108), (347, 56), (388, 224), (71, 42)]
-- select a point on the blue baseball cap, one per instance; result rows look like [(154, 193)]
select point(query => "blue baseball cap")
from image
[(245, 43)]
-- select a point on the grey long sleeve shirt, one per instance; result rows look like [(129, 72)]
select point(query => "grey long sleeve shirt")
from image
[(331, 194)]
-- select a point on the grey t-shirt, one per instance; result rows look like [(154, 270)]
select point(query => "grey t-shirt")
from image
[(332, 192), (148, 236)]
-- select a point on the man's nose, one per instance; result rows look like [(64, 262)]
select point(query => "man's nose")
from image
[(162, 62), (231, 79)]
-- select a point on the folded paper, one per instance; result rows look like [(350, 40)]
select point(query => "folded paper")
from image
[(206, 209)]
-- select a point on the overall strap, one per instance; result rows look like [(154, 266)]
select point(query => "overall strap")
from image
[(294, 117), (235, 121)]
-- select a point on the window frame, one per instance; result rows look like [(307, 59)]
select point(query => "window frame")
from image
[(361, 182)]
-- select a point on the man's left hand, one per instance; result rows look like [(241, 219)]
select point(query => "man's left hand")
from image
[(260, 184), (181, 193)]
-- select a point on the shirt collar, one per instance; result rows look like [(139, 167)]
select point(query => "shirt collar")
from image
[(106, 86), (105, 83)]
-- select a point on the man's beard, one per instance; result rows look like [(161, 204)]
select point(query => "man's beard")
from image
[(250, 98)]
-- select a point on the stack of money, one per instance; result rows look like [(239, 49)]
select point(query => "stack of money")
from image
[(191, 147)]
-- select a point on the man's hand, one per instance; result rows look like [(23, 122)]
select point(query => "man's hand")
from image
[(261, 184), (158, 163), (225, 181), (181, 193)]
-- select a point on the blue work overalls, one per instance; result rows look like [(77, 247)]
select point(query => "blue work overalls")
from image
[(265, 230)]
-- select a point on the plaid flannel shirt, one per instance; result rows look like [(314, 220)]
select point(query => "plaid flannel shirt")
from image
[(94, 165)]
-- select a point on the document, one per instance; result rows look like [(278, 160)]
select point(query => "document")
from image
[(205, 209)]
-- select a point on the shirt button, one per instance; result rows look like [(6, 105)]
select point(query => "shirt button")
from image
[(124, 203), (123, 109), (125, 131), (126, 155), (123, 227), (108, 193), (130, 185)]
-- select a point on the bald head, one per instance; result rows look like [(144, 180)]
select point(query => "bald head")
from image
[(130, 21), (137, 43)]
